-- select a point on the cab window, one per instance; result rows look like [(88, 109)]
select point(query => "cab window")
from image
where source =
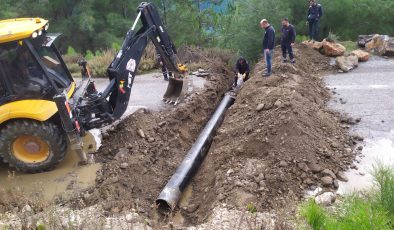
[(22, 71), (51, 62)]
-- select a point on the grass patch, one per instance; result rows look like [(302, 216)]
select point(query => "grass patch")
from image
[(375, 210)]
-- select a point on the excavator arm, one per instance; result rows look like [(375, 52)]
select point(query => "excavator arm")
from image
[(123, 68), (88, 108), (97, 109)]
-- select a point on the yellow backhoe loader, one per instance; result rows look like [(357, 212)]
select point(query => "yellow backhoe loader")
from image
[(43, 111)]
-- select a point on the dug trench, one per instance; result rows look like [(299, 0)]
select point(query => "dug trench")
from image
[(277, 141), (141, 153)]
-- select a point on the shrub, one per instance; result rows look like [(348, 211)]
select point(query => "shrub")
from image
[(301, 38), (332, 37)]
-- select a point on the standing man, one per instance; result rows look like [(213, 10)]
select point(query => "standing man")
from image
[(242, 69), (164, 69), (287, 40), (315, 12), (268, 45)]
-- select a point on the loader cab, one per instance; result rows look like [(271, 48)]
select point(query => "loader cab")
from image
[(32, 68)]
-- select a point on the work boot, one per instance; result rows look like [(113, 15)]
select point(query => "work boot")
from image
[(266, 74), (166, 79), (293, 61), (284, 60)]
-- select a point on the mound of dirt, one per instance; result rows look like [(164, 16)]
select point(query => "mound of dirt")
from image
[(276, 141), (141, 153)]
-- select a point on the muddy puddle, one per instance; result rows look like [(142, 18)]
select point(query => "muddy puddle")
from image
[(65, 179)]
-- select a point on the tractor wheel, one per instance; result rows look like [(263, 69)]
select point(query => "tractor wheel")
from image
[(32, 146)]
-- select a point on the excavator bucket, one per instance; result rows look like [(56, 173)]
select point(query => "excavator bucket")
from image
[(176, 90)]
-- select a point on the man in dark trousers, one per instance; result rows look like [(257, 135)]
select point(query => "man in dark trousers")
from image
[(315, 12), (287, 40), (241, 69), (164, 69), (268, 45)]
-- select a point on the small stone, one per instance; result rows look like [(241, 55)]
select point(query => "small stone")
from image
[(283, 164), (342, 177), (315, 168), (124, 165), (326, 199), (308, 181), (353, 166), (221, 197), (360, 148), (26, 208), (278, 103), (335, 145), (141, 133), (327, 172), (151, 139), (326, 181), (161, 124), (131, 217), (362, 173), (230, 171), (336, 184), (260, 107), (348, 150)]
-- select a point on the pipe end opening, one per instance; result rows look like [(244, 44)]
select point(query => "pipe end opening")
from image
[(163, 207)]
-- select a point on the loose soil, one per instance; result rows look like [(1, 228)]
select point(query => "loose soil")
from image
[(277, 140)]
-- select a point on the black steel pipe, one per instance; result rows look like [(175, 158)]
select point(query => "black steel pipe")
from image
[(170, 195)]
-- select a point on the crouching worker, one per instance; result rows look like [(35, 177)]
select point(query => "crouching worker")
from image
[(242, 71)]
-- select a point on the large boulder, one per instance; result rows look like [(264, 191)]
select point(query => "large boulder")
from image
[(333, 49), (314, 44), (347, 63), (389, 47), (364, 39), (377, 44), (361, 55)]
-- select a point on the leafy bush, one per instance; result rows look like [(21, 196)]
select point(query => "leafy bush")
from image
[(89, 55), (301, 38), (71, 51), (332, 37)]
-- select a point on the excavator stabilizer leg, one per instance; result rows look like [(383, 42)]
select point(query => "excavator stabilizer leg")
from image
[(176, 90)]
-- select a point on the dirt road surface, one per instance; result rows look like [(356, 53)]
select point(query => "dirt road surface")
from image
[(367, 93)]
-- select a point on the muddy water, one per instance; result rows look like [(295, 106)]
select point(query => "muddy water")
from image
[(178, 219), (66, 178), (367, 93)]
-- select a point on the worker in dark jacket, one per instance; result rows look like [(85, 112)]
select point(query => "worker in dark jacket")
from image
[(287, 40), (315, 12), (268, 45), (241, 69)]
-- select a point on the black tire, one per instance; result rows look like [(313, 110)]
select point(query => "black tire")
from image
[(46, 132)]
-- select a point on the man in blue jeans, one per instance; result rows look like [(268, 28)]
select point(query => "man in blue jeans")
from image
[(287, 40), (268, 45), (315, 12)]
